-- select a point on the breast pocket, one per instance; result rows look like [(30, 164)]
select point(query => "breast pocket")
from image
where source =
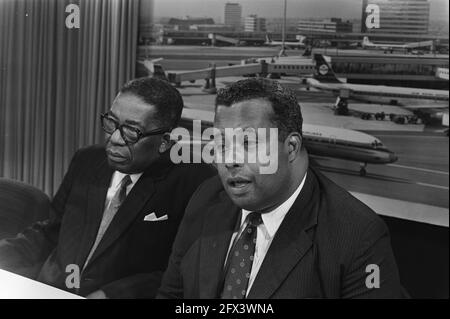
[(151, 231), (149, 243)]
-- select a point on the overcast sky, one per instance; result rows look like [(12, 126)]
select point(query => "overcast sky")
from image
[(347, 9)]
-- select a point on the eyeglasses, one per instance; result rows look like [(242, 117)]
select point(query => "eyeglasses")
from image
[(129, 133)]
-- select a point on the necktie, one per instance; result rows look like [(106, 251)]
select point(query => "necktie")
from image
[(240, 260), (110, 212)]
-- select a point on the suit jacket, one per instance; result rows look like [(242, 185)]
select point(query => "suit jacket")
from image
[(133, 253), (321, 249)]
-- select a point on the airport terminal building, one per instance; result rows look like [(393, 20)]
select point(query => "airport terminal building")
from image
[(333, 25)]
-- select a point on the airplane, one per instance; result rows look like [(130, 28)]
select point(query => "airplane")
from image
[(442, 73), (367, 44), (323, 141), (346, 144), (292, 44), (411, 98)]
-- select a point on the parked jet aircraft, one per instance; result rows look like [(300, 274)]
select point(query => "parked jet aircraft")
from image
[(292, 44), (412, 98), (367, 44)]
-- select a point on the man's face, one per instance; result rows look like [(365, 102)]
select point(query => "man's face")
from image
[(134, 158), (244, 183)]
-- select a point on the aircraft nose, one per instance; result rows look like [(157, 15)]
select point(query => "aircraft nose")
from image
[(393, 158)]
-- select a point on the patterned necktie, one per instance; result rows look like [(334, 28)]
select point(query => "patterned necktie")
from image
[(110, 212), (240, 260)]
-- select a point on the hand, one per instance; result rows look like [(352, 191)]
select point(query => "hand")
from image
[(99, 294)]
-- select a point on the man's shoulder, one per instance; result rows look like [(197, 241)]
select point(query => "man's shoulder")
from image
[(350, 236), (209, 192), (211, 188), (345, 212)]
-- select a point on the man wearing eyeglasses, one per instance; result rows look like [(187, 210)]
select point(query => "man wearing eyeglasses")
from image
[(117, 211)]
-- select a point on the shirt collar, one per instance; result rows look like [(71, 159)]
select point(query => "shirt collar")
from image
[(273, 219), (118, 176)]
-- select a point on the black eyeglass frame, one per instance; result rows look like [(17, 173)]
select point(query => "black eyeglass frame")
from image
[(140, 135)]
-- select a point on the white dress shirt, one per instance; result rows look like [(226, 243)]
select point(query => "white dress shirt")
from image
[(265, 231), (114, 187), (115, 184)]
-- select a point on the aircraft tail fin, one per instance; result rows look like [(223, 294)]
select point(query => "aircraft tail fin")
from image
[(268, 39), (308, 51), (155, 69), (324, 73), (366, 41), (158, 72), (301, 38)]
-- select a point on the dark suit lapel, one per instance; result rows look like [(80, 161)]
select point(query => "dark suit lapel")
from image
[(217, 231), (96, 196), (133, 204), (290, 244)]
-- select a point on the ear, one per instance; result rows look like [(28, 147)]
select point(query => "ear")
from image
[(294, 143), (166, 143)]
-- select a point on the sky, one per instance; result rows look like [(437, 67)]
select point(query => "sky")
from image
[(347, 9)]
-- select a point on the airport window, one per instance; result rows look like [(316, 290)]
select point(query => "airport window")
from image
[(56, 80)]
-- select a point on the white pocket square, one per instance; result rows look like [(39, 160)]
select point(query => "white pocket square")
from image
[(153, 218)]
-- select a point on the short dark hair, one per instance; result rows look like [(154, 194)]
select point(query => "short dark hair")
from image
[(287, 111), (161, 94)]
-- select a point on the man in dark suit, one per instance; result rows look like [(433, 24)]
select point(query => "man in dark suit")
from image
[(291, 233), (116, 213)]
